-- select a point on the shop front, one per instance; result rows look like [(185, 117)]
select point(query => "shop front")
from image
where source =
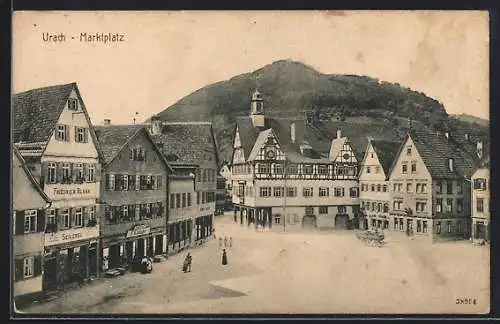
[(70, 256), (203, 226), (140, 240)]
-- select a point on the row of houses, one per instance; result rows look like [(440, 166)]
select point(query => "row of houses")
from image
[(427, 184), (88, 199)]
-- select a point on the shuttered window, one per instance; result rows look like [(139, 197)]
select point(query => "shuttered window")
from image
[(30, 221)]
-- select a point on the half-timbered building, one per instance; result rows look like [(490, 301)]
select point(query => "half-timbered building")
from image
[(281, 181)]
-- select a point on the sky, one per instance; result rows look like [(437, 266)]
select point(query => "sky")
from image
[(164, 56)]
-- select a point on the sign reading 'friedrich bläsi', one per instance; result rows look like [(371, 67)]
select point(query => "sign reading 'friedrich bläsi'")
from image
[(71, 191), (138, 230)]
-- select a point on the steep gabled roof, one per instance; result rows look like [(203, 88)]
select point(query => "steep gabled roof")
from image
[(187, 142), (36, 112), (435, 150), (336, 147), (386, 152), (248, 134), (114, 138), (259, 142), (28, 173)]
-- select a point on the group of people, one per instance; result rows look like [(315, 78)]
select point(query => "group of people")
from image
[(186, 266)]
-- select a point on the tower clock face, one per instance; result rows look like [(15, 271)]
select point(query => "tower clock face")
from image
[(270, 154), (346, 156)]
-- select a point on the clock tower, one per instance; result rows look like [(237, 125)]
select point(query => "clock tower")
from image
[(257, 109)]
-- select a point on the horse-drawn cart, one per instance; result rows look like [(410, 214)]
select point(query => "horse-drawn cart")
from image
[(372, 238)]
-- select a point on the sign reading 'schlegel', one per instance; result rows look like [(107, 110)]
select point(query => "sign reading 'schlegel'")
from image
[(74, 234), (138, 230)]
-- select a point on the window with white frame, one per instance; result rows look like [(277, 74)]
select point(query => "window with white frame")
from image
[(291, 191), (342, 209), (51, 172), (30, 221), (449, 205), (421, 206), (307, 192), (125, 184), (138, 211), (309, 210), (51, 216), (384, 188), (78, 172), (448, 226), (111, 184), (277, 219), (323, 210), (265, 191), (137, 182), (404, 168), (439, 205), (263, 168), (460, 205), (322, 169), (278, 191), (61, 133), (64, 217), (338, 192), (91, 173), (353, 192), (28, 267), (324, 192), (278, 169), (397, 204), (78, 217), (413, 167), (409, 187), (66, 172), (480, 205), (81, 135), (72, 104), (125, 211), (91, 213)]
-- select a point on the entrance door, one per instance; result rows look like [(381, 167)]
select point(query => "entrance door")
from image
[(50, 273), (309, 221), (129, 247), (93, 260), (341, 221), (114, 256), (140, 248), (150, 251), (159, 244), (83, 261), (409, 226), (480, 230)]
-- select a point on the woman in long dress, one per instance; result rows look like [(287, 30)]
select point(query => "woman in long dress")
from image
[(224, 257)]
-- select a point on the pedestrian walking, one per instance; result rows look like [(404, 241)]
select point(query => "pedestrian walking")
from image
[(231, 241), (224, 257), (225, 241), (186, 267)]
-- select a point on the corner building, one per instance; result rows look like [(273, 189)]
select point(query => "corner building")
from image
[(134, 193), (53, 133)]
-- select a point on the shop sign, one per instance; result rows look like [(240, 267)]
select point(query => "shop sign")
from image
[(70, 191), (70, 235), (138, 231)]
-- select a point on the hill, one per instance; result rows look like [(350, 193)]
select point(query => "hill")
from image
[(294, 90), (472, 119)]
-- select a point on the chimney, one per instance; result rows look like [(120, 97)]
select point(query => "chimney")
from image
[(107, 122), (339, 133), (447, 134), (479, 149), (450, 164), (466, 137), (292, 132), (155, 125)]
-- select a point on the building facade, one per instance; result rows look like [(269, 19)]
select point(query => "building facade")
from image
[(53, 133), (191, 150), (134, 193), (29, 206), (430, 188), (481, 206), (280, 181), (374, 185)]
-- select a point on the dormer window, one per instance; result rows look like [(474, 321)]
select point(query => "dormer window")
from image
[(451, 167), (72, 104)]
